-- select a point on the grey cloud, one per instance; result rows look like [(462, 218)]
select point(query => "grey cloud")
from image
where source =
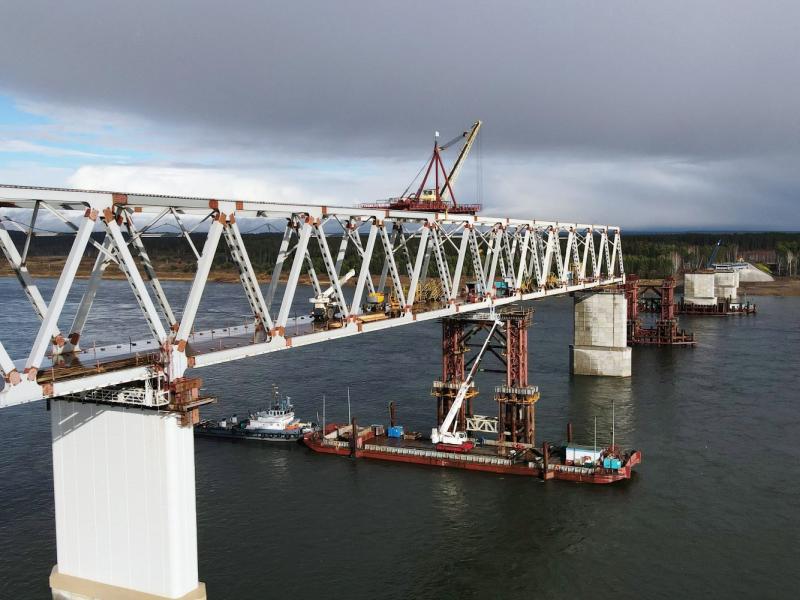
[(684, 77)]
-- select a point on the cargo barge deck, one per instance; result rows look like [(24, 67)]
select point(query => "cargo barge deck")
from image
[(531, 462)]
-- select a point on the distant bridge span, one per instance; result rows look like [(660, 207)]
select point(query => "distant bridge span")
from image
[(534, 258)]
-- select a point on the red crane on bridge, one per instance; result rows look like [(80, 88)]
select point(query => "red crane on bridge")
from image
[(440, 197)]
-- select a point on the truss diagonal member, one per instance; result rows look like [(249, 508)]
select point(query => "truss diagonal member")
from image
[(363, 276), (587, 240), (82, 314), (330, 267), (536, 260), (404, 247), (547, 263), (150, 272), (462, 253), (300, 253), (312, 274), (477, 265), (388, 251), (184, 232), (343, 247), (50, 321), (361, 251), (567, 254), (604, 254), (576, 255), (420, 261), (22, 273), (7, 368), (613, 262), (497, 242), (523, 256), (441, 261), (391, 266), (131, 271), (247, 276), (283, 253), (618, 246), (199, 282)]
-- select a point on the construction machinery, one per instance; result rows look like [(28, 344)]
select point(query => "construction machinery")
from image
[(445, 437), (440, 196), (325, 306)]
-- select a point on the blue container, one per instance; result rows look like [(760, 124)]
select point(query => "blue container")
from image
[(396, 431), (611, 463)]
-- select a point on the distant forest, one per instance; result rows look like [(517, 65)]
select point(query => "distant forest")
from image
[(651, 255)]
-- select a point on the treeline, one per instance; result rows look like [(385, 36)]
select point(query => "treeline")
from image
[(651, 255)]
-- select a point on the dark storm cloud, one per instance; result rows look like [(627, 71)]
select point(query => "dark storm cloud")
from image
[(679, 78)]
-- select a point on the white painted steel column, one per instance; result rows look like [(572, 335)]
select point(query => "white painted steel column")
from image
[(278, 269), (294, 275), (462, 253), (523, 256), (7, 367), (363, 275), (249, 280), (391, 265), (200, 279), (330, 267), (421, 253), (23, 275), (82, 314), (498, 242), (567, 254), (147, 265), (124, 488), (128, 266), (50, 322)]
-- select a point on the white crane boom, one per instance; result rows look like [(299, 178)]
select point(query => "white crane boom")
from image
[(443, 433), (462, 156)]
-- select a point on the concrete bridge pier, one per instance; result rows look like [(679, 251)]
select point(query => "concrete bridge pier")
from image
[(601, 339), (126, 526)]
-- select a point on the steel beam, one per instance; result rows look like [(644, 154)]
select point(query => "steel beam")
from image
[(49, 324)]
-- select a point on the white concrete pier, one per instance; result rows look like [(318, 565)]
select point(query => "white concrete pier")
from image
[(601, 337), (699, 289), (726, 285), (126, 525)]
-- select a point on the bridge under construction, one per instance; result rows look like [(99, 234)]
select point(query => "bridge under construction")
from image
[(411, 266)]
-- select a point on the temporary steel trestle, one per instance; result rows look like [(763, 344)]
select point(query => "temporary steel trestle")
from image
[(501, 260)]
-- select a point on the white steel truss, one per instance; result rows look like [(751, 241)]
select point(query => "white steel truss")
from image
[(429, 265)]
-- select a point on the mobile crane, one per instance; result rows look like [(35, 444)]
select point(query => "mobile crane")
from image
[(445, 437), (325, 308)]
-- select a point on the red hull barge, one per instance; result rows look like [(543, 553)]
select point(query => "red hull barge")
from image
[(482, 458)]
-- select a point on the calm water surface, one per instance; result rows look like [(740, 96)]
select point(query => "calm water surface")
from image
[(712, 511)]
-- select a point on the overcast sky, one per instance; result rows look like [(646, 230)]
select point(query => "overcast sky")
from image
[(644, 114)]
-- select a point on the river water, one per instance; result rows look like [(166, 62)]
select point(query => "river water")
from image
[(711, 512)]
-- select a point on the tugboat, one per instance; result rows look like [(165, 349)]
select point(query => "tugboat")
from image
[(276, 424)]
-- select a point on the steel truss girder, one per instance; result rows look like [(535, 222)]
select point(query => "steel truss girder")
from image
[(525, 253)]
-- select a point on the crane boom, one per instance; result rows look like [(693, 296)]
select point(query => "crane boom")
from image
[(443, 433), (462, 156)]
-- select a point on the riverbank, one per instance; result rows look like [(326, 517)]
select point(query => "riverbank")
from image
[(50, 267)]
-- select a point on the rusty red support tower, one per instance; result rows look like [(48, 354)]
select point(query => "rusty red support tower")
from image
[(665, 332), (515, 398)]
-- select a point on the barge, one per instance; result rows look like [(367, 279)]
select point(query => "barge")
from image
[(567, 462)]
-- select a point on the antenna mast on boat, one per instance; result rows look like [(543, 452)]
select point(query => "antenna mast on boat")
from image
[(349, 417), (595, 434), (612, 424), (323, 415)]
